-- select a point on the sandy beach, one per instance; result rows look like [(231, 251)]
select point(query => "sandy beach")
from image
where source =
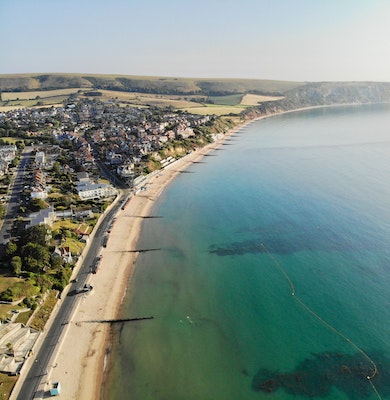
[(79, 360)]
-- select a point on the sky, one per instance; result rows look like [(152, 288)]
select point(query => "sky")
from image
[(295, 40)]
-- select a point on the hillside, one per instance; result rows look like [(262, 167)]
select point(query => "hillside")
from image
[(248, 97), (324, 94), (155, 85)]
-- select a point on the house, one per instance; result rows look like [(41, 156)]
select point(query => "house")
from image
[(3, 167), (125, 170), (8, 153), (63, 253), (44, 217)]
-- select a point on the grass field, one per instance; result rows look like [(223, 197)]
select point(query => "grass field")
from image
[(255, 99), (145, 99), (229, 100), (220, 105), (5, 283), (42, 94), (215, 109), (10, 140), (45, 102)]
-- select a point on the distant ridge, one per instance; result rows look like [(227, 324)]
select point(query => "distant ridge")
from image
[(144, 84), (292, 95)]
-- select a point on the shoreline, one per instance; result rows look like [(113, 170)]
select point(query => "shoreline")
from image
[(89, 343), (84, 378)]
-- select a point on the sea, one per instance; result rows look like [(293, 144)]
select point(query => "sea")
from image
[(268, 270)]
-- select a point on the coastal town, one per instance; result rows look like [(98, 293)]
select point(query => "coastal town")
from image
[(76, 181), (194, 200), (87, 141), (120, 136), (61, 170)]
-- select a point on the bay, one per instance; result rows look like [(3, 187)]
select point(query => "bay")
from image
[(272, 281)]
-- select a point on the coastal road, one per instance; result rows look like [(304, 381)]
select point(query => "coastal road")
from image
[(40, 367)]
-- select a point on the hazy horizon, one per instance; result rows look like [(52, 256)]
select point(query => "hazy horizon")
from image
[(255, 39)]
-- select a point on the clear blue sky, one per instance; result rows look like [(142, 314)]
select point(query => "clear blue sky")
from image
[(300, 40)]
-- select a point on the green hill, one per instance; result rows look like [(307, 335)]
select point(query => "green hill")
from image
[(250, 97), (142, 84)]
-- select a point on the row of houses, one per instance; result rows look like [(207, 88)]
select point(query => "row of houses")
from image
[(7, 154)]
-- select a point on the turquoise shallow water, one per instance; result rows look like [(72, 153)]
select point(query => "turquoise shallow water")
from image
[(302, 199)]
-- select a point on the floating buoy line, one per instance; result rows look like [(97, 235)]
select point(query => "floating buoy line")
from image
[(325, 323)]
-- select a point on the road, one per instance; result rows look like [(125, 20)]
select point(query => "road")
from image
[(16, 187), (40, 367)]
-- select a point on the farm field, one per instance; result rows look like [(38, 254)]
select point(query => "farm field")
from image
[(220, 105), (145, 99), (9, 96), (255, 99), (215, 109), (40, 90)]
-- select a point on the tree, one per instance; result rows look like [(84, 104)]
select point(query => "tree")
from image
[(15, 162), (57, 167), (32, 265), (36, 234), (11, 248), (56, 262), (16, 264), (37, 205), (20, 144), (35, 257)]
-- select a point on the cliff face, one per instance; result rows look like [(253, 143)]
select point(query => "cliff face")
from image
[(325, 93), (340, 93)]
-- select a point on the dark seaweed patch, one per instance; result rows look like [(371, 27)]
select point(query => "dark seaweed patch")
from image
[(291, 242), (237, 248), (315, 377)]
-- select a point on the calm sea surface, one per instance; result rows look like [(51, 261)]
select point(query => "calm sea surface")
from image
[(273, 278)]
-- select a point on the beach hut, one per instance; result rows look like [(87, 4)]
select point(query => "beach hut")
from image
[(55, 389)]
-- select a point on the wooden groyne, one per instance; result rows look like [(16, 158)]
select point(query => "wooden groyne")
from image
[(118, 321)]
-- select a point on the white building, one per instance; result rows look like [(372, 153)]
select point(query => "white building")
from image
[(40, 158), (89, 190), (44, 217), (38, 193)]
